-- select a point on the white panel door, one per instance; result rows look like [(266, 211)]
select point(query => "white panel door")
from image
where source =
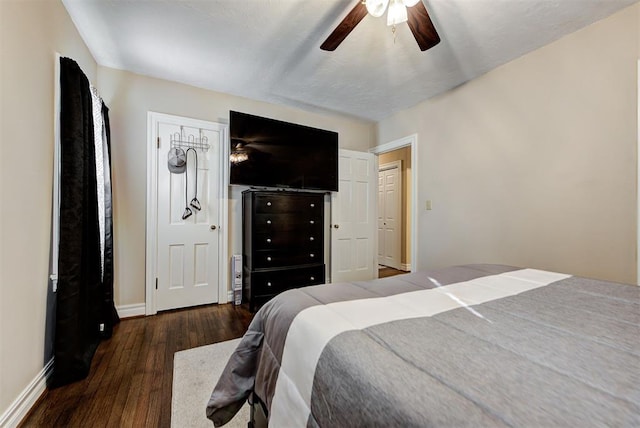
[(188, 257), (353, 218), (389, 215)]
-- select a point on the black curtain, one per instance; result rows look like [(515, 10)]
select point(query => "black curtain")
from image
[(84, 299), (108, 312)]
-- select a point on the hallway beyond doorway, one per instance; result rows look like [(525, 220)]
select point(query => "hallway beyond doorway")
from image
[(385, 271)]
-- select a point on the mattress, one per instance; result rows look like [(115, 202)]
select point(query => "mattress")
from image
[(473, 345)]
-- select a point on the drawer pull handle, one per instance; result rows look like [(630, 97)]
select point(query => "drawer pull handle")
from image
[(268, 259), (311, 221), (313, 205), (268, 204), (269, 284), (312, 279), (268, 239), (311, 255), (268, 221), (311, 238)]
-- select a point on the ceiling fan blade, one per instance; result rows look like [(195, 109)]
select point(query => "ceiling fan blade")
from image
[(344, 28), (421, 26)]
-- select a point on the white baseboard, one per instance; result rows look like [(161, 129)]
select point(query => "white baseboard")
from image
[(25, 401), (128, 311), (405, 267), (230, 296)]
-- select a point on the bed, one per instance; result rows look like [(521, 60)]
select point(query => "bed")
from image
[(472, 345)]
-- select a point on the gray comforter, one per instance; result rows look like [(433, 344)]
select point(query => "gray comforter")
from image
[(475, 345)]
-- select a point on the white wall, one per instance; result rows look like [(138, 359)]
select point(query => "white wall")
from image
[(31, 32), (534, 163), (129, 97)]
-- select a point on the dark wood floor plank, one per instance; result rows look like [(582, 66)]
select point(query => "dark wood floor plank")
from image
[(104, 374), (131, 347), (109, 381), (139, 402), (129, 384), (132, 394)]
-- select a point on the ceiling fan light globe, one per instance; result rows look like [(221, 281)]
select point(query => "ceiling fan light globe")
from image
[(376, 8), (397, 13), (410, 3)]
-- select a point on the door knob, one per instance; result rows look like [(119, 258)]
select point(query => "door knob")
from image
[(213, 227), (337, 226)]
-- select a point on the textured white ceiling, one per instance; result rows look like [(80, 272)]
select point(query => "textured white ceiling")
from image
[(269, 50)]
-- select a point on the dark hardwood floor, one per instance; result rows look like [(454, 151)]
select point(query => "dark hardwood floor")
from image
[(129, 384)]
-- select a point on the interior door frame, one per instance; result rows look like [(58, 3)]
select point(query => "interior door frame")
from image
[(152, 203), (397, 164), (408, 141)]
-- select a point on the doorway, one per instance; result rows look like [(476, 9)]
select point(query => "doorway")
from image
[(391, 224), (403, 153), (186, 213)]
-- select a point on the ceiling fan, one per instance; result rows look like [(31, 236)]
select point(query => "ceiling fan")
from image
[(411, 11)]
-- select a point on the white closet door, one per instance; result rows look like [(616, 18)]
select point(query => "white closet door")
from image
[(188, 259), (353, 218)]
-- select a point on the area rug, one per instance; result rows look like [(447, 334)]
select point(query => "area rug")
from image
[(195, 373)]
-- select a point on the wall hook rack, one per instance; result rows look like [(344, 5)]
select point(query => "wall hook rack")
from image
[(180, 139)]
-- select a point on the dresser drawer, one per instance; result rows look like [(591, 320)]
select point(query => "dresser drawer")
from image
[(288, 240), (276, 281), (286, 222), (264, 259), (288, 203)]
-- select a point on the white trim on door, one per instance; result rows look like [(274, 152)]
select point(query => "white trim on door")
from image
[(152, 203), (152, 216), (411, 141), (638, 184)]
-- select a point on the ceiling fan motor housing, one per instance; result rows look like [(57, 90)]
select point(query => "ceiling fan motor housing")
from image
[(411, 11)]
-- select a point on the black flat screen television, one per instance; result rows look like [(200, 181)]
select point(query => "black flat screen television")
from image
[(276, 154)]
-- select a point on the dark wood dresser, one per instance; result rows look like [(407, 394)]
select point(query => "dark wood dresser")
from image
[(283, 243)]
